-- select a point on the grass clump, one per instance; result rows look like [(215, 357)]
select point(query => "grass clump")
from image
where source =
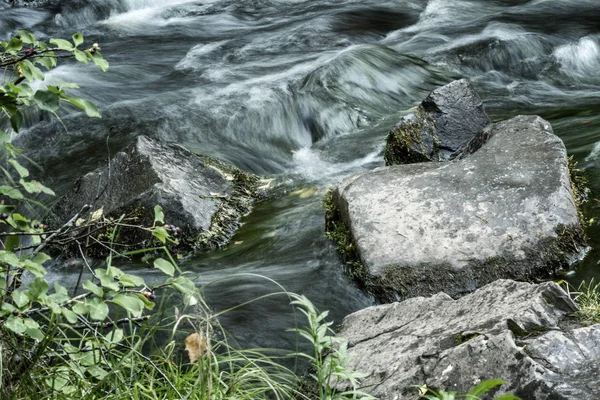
[(587, 297)]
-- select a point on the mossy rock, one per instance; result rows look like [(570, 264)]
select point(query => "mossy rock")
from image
[(439, 128), (203, 198), (506, 210)]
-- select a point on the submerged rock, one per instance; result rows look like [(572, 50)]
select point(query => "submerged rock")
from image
[(505, 209), (201, 196), (505, 330), (442, 124)]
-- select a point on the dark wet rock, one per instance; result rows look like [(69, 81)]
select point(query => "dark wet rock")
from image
[(506, 330), (201, 196), (442, 124), (504, 209)]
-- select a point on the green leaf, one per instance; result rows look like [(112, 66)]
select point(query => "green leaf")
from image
[(41, 258), (69, 315), (183, 285), (508, 396), (115, 336), (4, 137), (130, 302), (159, 216), (35, 268), (97, 372), (92, 287), (12, 242), (24, 90), (67, 85), (98, 309), (62, 44), (16, 120), (36, 187), (107, 280), (15, 324), (79, 308), (26, 37), (485, 387), (35, 72), (38, 288), (48, 61), (33, 329), (11, 258), (165, 266), (160, 233), (11, 192), (80, 56), (22, 171), (77, 38), (60, 295), (131, 280), (46, 100), (14, 45), (20, 298), (147, 303), (90, 109), (98, 60)]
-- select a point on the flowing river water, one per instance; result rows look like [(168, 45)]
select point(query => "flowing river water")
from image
[(304, 91)]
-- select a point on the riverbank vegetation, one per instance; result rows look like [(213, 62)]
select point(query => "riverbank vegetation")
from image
[(112, 336)]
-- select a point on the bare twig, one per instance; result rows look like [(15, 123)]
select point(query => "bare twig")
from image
[(110, 324), (63, 228)]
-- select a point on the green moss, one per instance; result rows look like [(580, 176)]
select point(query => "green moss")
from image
[(531, 331), (461, 338), (337, 231), (579, 187), (227, 218), (404, 144)]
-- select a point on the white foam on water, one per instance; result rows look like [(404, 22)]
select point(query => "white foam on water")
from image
[(581, 57), (595, 153), (145, 13), (310, 165), (193, 58)]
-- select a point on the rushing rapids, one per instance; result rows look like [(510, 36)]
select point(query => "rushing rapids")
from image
[(305, 91)]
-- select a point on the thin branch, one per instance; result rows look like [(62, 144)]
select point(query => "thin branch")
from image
[(25, 233), (110, 324), (66, 226), (72, 300)]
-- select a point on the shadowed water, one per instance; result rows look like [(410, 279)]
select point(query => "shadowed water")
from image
[(305, 91)]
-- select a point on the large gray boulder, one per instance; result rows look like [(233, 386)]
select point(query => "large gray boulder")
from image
[(201, 196), (442, 124), (506, 330), (504, 211)]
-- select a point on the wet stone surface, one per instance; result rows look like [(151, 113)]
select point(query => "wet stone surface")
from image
[(201, 196), (503, 211), (506, 330)]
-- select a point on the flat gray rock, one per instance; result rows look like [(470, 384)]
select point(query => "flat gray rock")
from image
[(506, 330), (503, 211), (201, 196), (442, 124)]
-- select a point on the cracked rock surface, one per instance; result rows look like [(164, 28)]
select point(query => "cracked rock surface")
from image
[(506, 330)]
